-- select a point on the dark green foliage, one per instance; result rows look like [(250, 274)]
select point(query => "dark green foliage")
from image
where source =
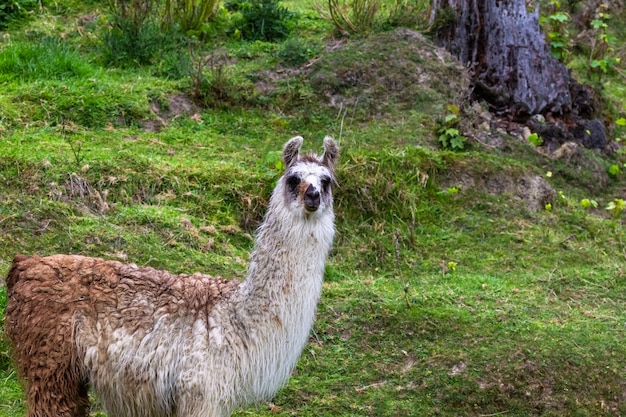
[(264, 20), (125, 43), (296, 51), (14, 9), (174, 64)]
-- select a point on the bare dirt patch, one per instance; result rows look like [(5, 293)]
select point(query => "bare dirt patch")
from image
[(177, 105)]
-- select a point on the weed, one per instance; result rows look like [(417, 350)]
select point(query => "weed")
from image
[(616, 207), (601, 58), (556, 24), (449, 135), (614, 170), (218, 26), (175, 63), (535, 139), (76, 146), (587, 203)]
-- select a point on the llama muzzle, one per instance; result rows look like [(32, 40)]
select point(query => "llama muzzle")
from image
[(311, 198)]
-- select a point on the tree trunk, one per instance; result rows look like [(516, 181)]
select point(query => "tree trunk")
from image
[(513, 69)]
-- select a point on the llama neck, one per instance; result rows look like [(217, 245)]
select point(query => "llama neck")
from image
[(289, 255)]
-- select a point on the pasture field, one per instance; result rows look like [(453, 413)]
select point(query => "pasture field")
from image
[(477, 282)]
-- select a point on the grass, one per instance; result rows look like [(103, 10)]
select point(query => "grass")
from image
[(444, 295)]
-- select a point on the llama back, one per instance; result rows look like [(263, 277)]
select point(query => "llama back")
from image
[(124, 294)]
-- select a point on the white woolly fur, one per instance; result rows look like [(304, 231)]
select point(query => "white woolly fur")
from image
[(245, 349)]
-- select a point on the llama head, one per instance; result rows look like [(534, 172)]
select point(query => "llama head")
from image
[(308, 179)]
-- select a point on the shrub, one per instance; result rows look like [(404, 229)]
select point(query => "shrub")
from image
[(134, 33), (410, 14), (143, 31), (263, 20), (189, 15), (351, 17), (125, 42)]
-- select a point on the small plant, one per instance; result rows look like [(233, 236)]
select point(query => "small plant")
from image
[(535, 139), (616, 207), (620, 130), (449, 134), (76, 146), (587, 203), (600, 59), (556, 28), (614, 170), (448, 267)]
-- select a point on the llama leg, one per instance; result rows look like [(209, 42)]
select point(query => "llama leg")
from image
[(57, 397), (55, 384)]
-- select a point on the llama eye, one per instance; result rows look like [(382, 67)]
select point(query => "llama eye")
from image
[(293, 182), (325, 183)]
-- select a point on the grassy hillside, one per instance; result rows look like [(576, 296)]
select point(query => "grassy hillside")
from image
[(484, 281)]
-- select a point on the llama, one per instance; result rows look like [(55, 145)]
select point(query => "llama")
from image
[(155, 344)]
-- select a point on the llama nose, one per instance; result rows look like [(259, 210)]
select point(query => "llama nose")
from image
[(311, 198)]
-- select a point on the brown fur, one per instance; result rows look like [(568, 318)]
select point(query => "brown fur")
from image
[(50, 297)]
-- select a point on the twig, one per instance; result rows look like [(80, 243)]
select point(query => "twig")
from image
[(374, 385), (405, 288), (341, 124)]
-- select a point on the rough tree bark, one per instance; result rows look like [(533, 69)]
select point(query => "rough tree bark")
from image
[(513, 69)]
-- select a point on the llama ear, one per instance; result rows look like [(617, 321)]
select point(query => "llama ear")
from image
[(291, 151), (331, 152)]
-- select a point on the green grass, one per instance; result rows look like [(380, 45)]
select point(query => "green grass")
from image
[(444, 295)]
